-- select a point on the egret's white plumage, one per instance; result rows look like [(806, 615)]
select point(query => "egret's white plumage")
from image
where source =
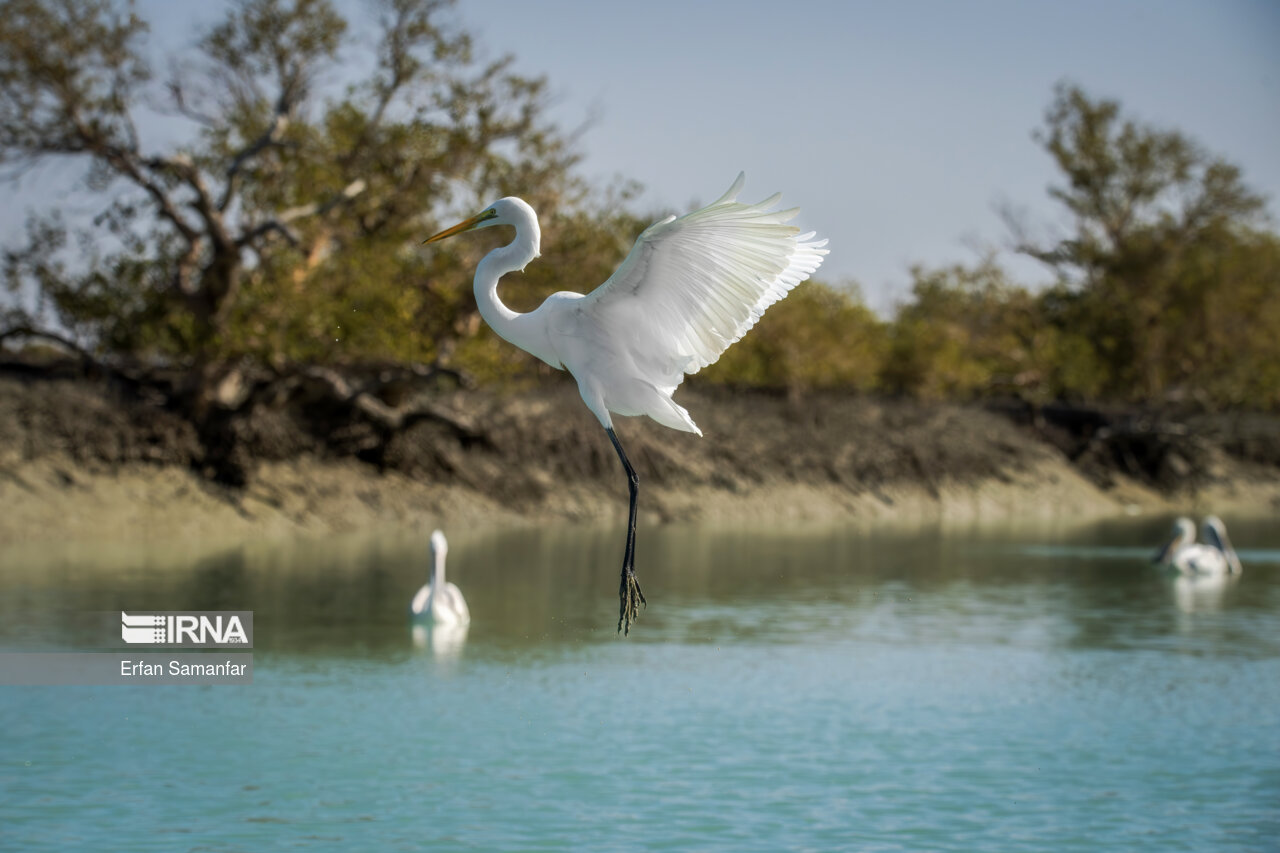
[(690, 287), (1215, 557), (440, 602)]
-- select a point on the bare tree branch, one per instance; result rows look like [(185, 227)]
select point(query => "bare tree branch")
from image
[(393, 419), (280, 223), (271, 136), (181, 167), (127, 164), (25, 330), (178, 95), (349, 192), (253, 235)]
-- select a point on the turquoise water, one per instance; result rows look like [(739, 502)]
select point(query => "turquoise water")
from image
[(804, 690)]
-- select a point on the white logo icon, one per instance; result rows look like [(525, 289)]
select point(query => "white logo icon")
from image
[(142, 629), (171, 629)]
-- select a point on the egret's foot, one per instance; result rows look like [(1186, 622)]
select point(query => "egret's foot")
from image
[(629, 600)]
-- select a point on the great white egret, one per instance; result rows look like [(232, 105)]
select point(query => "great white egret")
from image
[(1215, 557), (439, 602), (689, 288)]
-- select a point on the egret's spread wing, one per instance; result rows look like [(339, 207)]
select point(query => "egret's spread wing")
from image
[(692, 286), (456, 603), (419, 604)]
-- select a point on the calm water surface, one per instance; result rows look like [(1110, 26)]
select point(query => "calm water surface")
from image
[(1029, 689)]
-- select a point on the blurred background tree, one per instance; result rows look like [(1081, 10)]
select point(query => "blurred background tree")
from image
[(1167, 274), (817, 338), (285, 227), (1167, 283)]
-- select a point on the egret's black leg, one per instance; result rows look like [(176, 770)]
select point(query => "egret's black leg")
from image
[(629, 595)]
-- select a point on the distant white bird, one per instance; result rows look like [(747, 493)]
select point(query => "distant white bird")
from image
[(689, 288), (1215, 557), (440, 602)]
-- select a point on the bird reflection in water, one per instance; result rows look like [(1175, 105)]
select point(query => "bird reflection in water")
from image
[(444, 642), (1201, 593)]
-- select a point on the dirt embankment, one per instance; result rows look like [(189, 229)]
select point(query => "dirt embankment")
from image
[(86, 458)]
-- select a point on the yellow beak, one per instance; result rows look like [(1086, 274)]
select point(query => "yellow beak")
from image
[(464, 225)]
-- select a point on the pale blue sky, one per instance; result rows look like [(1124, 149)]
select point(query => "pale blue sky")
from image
[(894, 126)]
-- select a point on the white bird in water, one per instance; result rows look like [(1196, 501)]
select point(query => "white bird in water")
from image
[(1214, 558), (689, 288), (439, 602)]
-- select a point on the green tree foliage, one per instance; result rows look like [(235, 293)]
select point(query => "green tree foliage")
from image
[(1227, 304), (287, 226), (1167, 275), (967, 331), (817, 337), (1168, 288)]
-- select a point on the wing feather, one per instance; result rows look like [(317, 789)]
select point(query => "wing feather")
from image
[(693, 285), (1212, 538)]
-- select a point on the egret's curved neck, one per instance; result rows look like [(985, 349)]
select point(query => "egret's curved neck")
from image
[(437, 570), (509, 258)]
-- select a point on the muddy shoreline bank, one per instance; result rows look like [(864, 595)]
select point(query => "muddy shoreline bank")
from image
[(85, 458)]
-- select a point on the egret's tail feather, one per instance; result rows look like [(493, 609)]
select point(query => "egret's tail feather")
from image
[(671, 414)]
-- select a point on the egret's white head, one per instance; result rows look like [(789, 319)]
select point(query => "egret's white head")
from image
[(512, 211), (439, 545), (505, 211)]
